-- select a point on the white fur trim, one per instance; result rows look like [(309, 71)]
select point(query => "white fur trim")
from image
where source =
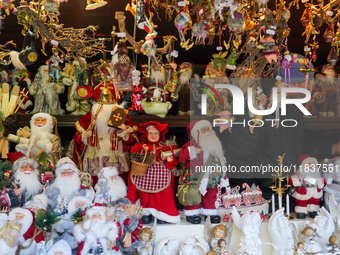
[(313, 208), (35, 203), (48, 147), (109, 172), (29, 251), (192, 152), (71, 205), (28, 218), (64, 160), (200, 124), (26, 105), (24, 161), (295, 180), (161, 215), (313, 192), (192, 212), (300, 209), (209, 211), (43, 199), (309, 160), (49, 119), (97, 209), (61, 245)]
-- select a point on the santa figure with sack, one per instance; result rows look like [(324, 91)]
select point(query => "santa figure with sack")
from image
[(307, 186), (96, 234), (104, 135), (155, 190), (25, 183), (29, 236), (204, 151)]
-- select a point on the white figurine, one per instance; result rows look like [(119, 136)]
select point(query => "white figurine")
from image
[(249, 224), (332, 178), (324, 224), (312, 244), (194, 245), (281, 233), (334, 209), (147, 237), (167, 246)]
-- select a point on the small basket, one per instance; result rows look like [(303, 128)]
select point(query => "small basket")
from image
[(139, 168)]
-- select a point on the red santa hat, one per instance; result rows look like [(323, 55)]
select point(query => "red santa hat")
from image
[(162, 128), (60, 246), (38, 201), (18, 159), (71, 205), (97, 208), (108, 172), (195, 126), (65, 164), (306, 159)]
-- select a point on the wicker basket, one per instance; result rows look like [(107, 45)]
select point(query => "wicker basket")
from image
[(139, 168)]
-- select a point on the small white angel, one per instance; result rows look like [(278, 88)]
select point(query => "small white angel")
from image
[(147, 237), (167, 246)]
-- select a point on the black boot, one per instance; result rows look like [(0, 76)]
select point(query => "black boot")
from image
[(161, 222), (312, 214), (214, 218), (301, 215), (147, 219), (195, 219)]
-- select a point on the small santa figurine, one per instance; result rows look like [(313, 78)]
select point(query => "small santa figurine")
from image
[(115, 183), (96, 235), (204, 150), (308, 185), (38, 202), (66, 185), (98, 145), (156, 188), (41, 140), (25, 218), (60, 248), (25, 181)]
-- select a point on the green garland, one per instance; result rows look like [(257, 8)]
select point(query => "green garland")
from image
[(45, 163), (5, 166), (45, 219)]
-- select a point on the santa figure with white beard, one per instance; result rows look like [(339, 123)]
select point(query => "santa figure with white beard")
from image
[(115, 183), (98, 145), (205, 150), (25, 183), (96, 234), (308, 186), (66, 185), (41, 140)]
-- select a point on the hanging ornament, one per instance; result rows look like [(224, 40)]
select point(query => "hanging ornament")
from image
[(94, 4), (142, 19), (329, 33), (332, 57), (314, 47), (269, 49), (231, 64), (183, 23), (306, 17)]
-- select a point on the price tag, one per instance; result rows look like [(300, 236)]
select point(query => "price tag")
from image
[(329, 13), (200, 12), (53, 42), (174, 53), (273, 27), (219, 48), (182, 3), (304, 1), (270, 32), (121, 34), (307, 49), (278, 78)]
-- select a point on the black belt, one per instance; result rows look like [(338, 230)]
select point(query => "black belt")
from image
[(309, 185), (336, 182)]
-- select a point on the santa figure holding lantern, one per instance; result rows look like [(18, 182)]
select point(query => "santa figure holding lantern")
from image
[(156, 188)]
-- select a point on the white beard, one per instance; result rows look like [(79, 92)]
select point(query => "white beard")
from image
[(95, 232), (184, 78), (43, 133), (103, 118), (67, 185), (210, 144), (309, 173), (29, 182), (118, 188), (157, 76)]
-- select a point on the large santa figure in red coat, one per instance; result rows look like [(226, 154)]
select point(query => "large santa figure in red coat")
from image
[(155, 190), (29, 236), (308, 185), (204, 151), (98, 145)]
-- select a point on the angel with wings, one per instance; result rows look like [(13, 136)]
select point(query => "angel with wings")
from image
[(147, 237), (219, 236)]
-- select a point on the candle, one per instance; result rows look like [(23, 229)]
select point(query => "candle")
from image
[(273, 203), (287, 205), (280, 201)]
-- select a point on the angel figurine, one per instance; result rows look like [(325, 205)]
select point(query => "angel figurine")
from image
[(147, 237), (312, 244), (194, 245), (218, 236), (167, 246)]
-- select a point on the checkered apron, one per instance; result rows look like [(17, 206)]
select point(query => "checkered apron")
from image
[(156, 179)]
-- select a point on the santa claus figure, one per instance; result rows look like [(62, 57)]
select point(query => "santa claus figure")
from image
[(60, 248), (332, 179), (42, 138), (25, 181), (156, 188), (95, 234), (66, 186), (204, 151), (98, 145), (38, 202), (136, 96), (115, 183), (29, 236), (307, 185)]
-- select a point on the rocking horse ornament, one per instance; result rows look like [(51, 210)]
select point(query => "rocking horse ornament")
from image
[(183, 22)]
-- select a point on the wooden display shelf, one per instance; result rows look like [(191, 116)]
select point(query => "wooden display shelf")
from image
[(180, 121)]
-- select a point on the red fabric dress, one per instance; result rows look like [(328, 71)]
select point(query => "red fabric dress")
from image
[(156, 197)]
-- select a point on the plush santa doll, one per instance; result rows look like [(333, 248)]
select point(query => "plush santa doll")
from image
[(204, 150), (60, 248), (38, 202), (95, 234), (29, 236), (157, 187), (42, 138), (308, 185), (66, 186), (116, 183), (98, 145), (25, 181)]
